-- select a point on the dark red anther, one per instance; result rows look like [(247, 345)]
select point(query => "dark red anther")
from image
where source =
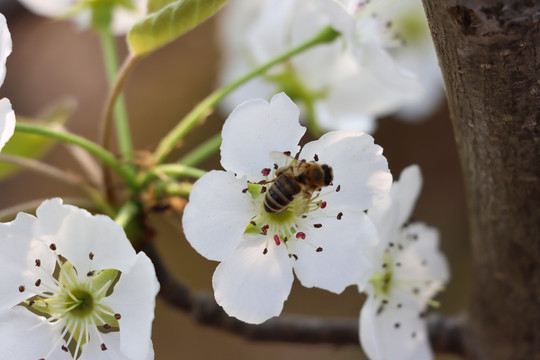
[(295, 257), (265, 251), (319, 249), (38, 262), (91, 256), (339, 216), (107, 326), (90, 273), (322, 205), (276, 240), (117, 316), (64, 348), (263, 189), (276, 166), (38, 282), (338, 188), (316, 157), (264, 228), (265, 171), (317, 226), (253, 223), (244, 190), (288, 153), (21, 288), (52, 247), (300, 235), (103, 347)]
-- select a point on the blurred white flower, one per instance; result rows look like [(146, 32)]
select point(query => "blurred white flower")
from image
[(123, 16), (71, 283), (322, 236), (341, 89), (407, 272), (7, 116)]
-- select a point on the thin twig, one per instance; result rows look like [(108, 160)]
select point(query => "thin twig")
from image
[(445, 333), (105, 130), (44, 169)]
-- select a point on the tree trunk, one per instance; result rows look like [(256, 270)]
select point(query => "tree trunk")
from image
[(489, 53)]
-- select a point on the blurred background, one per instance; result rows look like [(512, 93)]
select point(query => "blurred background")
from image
[(52, 59)]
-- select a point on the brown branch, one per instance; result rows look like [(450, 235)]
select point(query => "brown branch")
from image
[(445, 333), (489, 52)]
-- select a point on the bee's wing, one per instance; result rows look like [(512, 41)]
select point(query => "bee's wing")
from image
[(281, 159)]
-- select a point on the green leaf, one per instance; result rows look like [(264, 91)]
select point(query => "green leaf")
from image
[(31, 145), (167, 21)]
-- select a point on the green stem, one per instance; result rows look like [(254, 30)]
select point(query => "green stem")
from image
[(106, 157), (179, 189), (174, 170), (126, 213), (190, 120), (201, 152), (311, 120), (110, 58)]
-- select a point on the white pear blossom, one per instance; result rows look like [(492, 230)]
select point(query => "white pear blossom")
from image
[(408, 270), (340, 89), (323, 236), (72, 286), (7, 116), (123, 16)]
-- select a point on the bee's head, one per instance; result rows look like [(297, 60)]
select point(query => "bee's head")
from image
[(328, 175)]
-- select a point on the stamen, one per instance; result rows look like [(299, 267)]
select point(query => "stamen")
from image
[(64, 348), (38, 282), (263, 189), (91, 256), (316, 157), (288, 153), (265, 171), (397, 325), (117, 316), (338, 188), (90, 273), (276, 166), (265, 251), (244, 190), (322, 205), (300, 235), (38, 262), (253, 223), (339, 216), (21, 288), (319, 249), (103, 347), (52, 247), (317, 226), (276, 240)]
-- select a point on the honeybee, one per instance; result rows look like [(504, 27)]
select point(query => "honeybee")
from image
[(301, 177)]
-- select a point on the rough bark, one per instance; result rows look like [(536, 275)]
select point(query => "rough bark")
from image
[(489, 52)]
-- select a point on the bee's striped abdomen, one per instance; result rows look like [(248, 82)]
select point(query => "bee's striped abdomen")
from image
[(281, 193)]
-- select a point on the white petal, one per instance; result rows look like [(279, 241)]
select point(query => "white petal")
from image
[(28, 336), (344, 242), (358, 166), (254, 129), (134, 299), (77, 233), (18, 260), (7, 122), (424, 267), (253, 286), (339, 16), (49, 8), (5, 49), (390, 215), (395, 333), (217, 214)]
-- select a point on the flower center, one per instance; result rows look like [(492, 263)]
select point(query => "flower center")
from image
[(73, 301)]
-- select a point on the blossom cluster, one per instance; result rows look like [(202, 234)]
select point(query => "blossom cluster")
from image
[(384, 62), (327, 212)]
